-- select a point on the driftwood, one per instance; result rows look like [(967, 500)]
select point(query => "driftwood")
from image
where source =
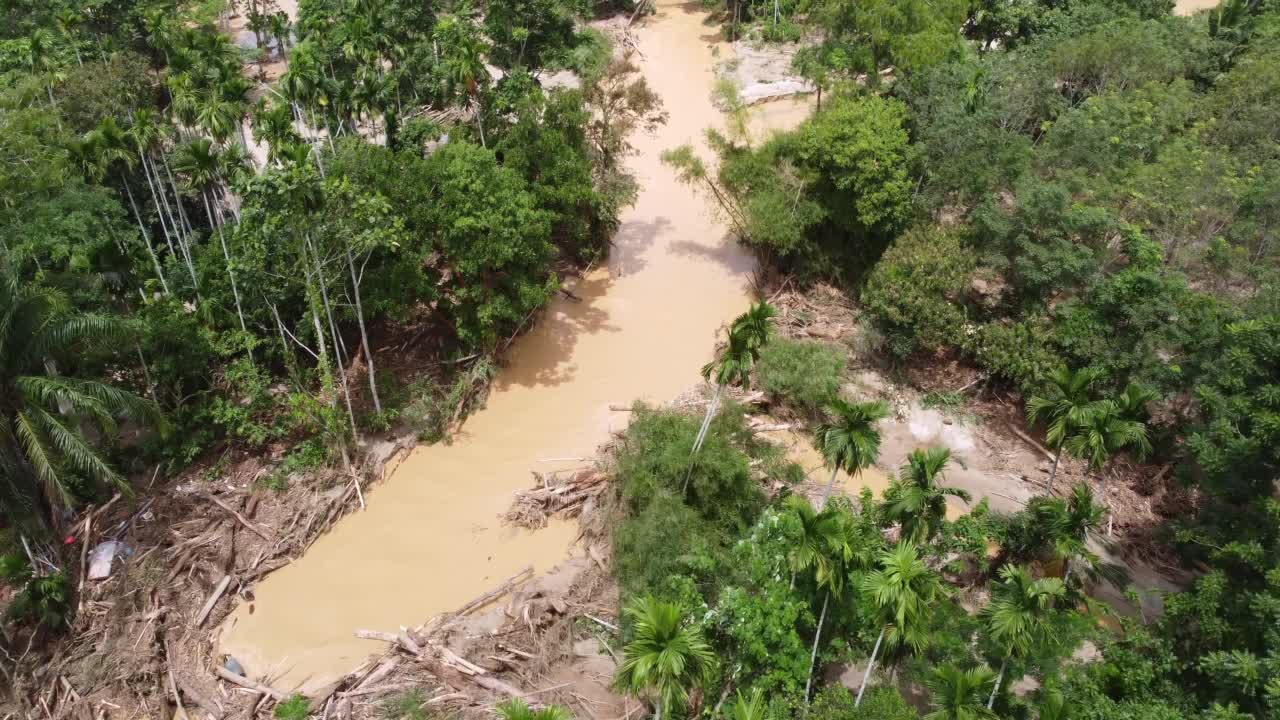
[(1032, 442), (401, 640), (532, 507), (608, 625), (213, 599), (507, 586), (245, 682), (239, 518)]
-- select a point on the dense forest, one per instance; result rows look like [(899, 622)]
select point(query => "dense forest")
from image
[(203, 244), (1078, 199)]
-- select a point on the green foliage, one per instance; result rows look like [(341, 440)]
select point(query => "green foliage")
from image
[(517, 709), (914, 291), (806, 374), (656, 460), (295, 708), (43, 600), (957, 694), (917, 500), (860, 151), (834, 702), (667, 656)]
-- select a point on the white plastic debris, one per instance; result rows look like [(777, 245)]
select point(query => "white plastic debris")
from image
[(101, 557)]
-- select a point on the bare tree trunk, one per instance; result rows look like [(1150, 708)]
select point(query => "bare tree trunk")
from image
[(155, 200), (364, 334), (826, 494), (866, 675), (1054, 472), (333, 331), (996, 688), (226, 254), (813, 656), (145, 240)]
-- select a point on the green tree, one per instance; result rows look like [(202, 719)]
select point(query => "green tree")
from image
[(956, 694), (850, 441), (1063, 404), (42, 448), (666, 658), (918, 499), (1017, 618), (901, 591)]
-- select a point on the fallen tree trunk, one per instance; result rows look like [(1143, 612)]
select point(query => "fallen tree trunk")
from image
[(245, 682), (507, 586)]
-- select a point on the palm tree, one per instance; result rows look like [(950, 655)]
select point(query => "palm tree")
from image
[(1055, 529), (957, 694), (41, 445), (901, 590), (747, 709), (666, 658), (833, 556), (1018, 615), (517, 709), (919, 500), (1107, 430), (851, 441), (748, 335), (1062, 404), (805, 551), (754, 326)]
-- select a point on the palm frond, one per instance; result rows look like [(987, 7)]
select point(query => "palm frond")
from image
[(34, 444)]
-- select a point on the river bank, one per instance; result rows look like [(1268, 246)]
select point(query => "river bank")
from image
[(639, 328)]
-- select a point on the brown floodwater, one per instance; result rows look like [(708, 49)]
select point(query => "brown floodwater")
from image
[(431, 538)]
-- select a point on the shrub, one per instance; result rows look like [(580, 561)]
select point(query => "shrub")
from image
[(295, 708), (835, 702), (805, 374), (913, 290), (716, 484), (1018, 352), (44, 600)]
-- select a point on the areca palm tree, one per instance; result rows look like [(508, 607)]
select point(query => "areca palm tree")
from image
[(748, 335), (901, 590), (850, 441), (828, 547), (666, 658), (1055, 529), (1109, 429), (517, 709), (1017, 616), (754, 326), (1063, 404), (752, 708), (41, 446), (919, 499), (957, 694)]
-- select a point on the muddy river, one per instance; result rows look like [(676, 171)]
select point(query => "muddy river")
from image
[(431, 538)]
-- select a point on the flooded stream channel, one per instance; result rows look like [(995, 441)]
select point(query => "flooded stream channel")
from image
[(432, 537)]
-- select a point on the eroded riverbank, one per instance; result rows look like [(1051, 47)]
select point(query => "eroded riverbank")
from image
[(431, 538)]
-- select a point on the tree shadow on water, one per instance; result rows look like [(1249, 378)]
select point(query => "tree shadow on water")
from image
[(632, 241), (544, 357), (727, 253)]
